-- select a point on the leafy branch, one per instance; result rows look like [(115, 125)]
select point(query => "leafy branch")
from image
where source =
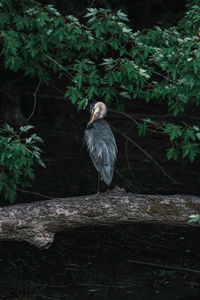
[(18, 154)]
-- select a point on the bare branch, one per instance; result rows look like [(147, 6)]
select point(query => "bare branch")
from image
[(164, 266), (58, 64), (34, 103), (147, 154), (35, 194)]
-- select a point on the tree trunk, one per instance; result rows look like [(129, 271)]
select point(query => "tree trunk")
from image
[(38, 222)]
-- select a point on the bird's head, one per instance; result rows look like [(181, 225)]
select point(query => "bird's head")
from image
[(98, 111)]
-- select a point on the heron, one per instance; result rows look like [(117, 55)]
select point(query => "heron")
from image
[(101, 143)]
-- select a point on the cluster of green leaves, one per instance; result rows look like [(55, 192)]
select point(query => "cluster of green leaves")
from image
[(184, 138), (101, 57), (36, 38), (17, 157), (144, 126), (185, 141)]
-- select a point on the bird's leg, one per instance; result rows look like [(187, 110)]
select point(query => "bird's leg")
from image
[(99, 178)]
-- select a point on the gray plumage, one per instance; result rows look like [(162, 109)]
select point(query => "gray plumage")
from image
[(101, 145)]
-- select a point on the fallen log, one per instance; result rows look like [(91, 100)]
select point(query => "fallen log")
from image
[(38, 222)]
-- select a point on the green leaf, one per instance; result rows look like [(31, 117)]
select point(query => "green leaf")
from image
[(73, 93), (174, 131), (189, 134), (82, 103), (198, 135), (36, 138), (191, 150), (41, 163), (26, 128), (9, 128), (142, 129), (172, 153)]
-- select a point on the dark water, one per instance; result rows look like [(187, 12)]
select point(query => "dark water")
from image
[(105, 263)]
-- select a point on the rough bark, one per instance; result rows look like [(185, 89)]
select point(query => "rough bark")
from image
[(38, 222)]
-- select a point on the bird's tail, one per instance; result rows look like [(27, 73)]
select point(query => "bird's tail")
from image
[(107, 174)]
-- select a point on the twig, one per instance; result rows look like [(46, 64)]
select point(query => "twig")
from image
[(33, 193), (147, 154), (35, 102), (139, 262), (137, 123), (124, 114), (163, 76), (165, 7), (58, 64), (59, 91), (93, 3)]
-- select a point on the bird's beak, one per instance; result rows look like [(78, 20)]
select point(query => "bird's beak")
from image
[(92, 119)]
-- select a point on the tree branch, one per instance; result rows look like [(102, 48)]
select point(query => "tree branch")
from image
[(147, 154), (38, 222), (35, 102)]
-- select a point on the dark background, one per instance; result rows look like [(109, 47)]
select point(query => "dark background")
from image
[(95, 263)]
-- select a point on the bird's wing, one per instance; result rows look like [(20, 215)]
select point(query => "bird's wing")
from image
[(102, 148), (103, 161)]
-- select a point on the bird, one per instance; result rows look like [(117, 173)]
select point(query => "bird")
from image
[(101, 143)]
